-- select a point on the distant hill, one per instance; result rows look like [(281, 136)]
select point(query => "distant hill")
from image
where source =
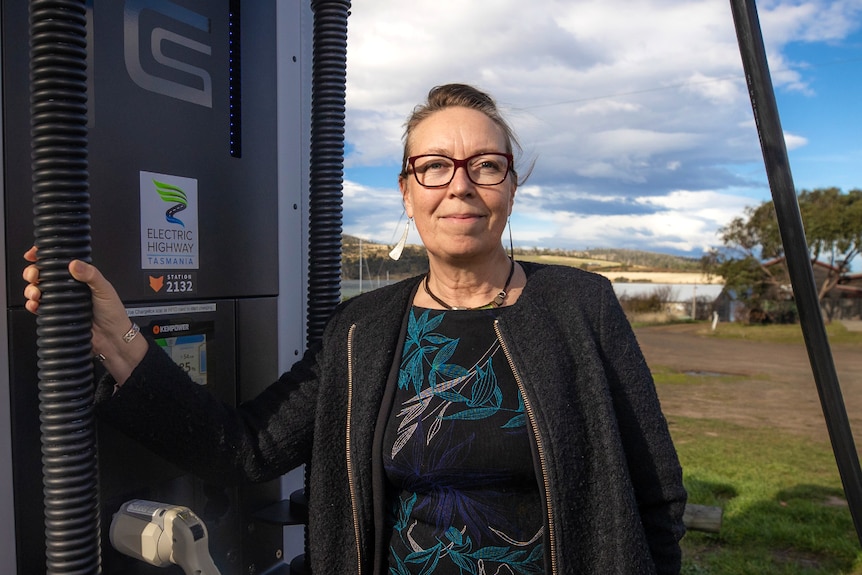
[(414, 260), (376, 260), (617, 259)]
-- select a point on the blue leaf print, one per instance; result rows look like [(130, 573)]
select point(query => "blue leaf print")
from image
[(412, 372), (400, 568), (515, 559), (485, 387), (491, 553), (449, 507), (403, 378), (430, 558), (440, 359), (473, 414), (415, 368), (418, 328), (452, 371), (433, 322), (451, 396), (420, 331), (454, 536), (532, 565), (413, 336), (463, 562), (406, 509), (445, 353), (518, 421)]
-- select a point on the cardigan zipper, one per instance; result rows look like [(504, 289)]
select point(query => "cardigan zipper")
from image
[(540, 447), (351, 479)]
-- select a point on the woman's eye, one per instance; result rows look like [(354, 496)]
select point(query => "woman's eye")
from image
[(433, 166), (488, 165)]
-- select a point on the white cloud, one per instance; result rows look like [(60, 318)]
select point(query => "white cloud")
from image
[(682, 221), (631, 99), (792, 141)]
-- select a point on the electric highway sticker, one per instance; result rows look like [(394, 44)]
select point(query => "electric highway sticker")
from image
[(169, 222)]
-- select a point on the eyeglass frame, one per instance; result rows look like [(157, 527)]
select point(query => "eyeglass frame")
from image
[(411, 162)]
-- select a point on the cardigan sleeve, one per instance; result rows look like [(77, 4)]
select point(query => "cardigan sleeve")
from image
[(162, 408), (654, 468)]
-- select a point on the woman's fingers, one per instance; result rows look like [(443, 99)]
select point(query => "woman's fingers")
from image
[(31, 275), (103, 292), (30, 255)]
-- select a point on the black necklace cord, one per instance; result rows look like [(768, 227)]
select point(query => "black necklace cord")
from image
[(496, 302)]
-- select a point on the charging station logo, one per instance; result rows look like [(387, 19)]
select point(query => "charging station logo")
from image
[(172, 195), (197, 88), (167, 241)]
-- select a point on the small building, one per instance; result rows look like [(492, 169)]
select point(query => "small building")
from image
[(842, 301), (691, 300)]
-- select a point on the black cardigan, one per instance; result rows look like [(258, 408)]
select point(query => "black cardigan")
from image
[(611, 473)]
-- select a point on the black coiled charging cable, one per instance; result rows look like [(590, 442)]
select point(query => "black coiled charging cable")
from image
[(58, 104)]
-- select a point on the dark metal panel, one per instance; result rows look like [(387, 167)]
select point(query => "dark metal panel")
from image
[(160, 103)]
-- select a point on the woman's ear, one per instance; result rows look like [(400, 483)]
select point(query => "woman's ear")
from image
[(405, 196)]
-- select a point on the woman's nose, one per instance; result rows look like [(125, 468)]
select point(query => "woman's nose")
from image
[(461, 184)]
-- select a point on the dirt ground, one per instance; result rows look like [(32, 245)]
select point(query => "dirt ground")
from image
[(776, 387)]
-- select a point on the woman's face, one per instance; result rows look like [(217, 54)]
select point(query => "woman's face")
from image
[(462, 220)]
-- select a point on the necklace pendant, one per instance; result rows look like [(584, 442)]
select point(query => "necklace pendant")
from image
[(498, 301)]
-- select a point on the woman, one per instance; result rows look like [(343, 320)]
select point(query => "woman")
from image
[(487, 417)]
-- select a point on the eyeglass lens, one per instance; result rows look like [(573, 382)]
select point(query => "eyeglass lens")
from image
[(483, 169)]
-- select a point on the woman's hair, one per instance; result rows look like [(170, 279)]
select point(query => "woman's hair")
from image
[(458, 96)]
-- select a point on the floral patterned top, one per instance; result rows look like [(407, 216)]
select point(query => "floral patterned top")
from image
[(457, 454)]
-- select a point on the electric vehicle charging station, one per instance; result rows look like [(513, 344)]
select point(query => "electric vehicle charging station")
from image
[(198, 120)]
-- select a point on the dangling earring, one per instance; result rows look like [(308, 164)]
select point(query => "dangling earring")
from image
[(395, 254), (511, 245)]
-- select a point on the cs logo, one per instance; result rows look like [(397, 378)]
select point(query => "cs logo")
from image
[(154, 40)]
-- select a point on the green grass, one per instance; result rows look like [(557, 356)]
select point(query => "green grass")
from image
[(835, 331), (667, 376), (782, 499)]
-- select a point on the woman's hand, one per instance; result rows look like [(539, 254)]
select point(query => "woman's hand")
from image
[(110, 321)]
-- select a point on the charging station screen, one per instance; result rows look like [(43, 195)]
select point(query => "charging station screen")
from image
[(185, 341), (190, 353)]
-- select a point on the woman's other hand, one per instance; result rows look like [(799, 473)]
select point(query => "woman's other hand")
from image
[(110, 321)]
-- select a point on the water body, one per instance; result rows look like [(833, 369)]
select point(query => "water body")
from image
[(679, 292)]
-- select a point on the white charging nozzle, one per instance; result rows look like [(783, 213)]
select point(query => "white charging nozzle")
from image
[(161, 534)]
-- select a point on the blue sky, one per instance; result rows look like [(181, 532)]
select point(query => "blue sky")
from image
[(635, 111)]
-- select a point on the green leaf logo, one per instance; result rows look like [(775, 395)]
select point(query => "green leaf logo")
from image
[(172, 195)]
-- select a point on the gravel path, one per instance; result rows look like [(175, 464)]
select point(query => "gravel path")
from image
[(775, 387)]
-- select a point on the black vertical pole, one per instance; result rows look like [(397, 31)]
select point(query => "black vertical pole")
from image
[(796, 251)]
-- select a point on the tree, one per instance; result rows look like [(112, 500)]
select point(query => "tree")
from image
[(833, 230), (752, 245)]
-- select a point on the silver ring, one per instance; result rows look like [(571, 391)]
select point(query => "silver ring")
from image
[(100, 357), (133, 331)]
